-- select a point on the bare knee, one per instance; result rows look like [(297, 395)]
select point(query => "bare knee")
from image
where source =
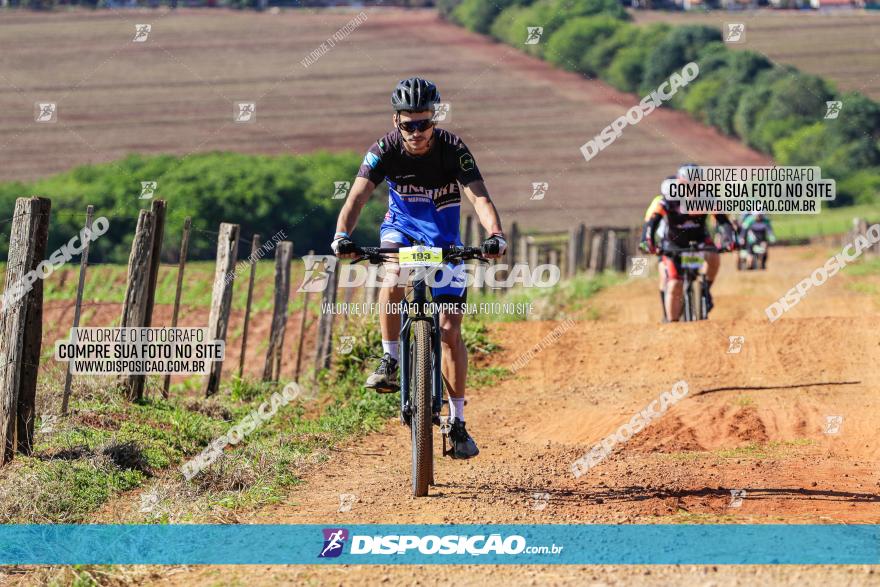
[(450, 334)]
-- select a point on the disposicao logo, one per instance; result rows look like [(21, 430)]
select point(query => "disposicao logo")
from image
[(334, 540)]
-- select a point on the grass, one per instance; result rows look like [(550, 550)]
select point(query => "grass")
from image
[(864, 267), (108, 446), (758, 451), (550, 303), (829, 221), (105, 283), (685, 517), (754, 450)]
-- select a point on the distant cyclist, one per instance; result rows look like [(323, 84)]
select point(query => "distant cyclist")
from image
[(658, 237), (423, 167), (682, 228), (755, 230)]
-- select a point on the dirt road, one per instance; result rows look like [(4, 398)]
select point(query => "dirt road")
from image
[(756, 420)]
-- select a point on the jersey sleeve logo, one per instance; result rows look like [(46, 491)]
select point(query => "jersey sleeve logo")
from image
[(466, 162), (371, 160)]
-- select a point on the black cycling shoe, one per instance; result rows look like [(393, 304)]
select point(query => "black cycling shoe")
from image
[(384, 378), (709, 303), (463, 446)]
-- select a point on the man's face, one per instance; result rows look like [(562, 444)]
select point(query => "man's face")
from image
[(416, 140)]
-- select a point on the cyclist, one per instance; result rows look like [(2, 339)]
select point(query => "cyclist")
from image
[(756, 228), (423, 166), (682, 228), (658, 237)]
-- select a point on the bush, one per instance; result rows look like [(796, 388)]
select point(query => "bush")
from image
[(701, 97), (863, 187), (263, 194), (741, 69), (568, 46), (446, 9), (599, 56), (678, 48), (774, 109), (477, 15), (753, 101), (512, 24), (627, 69)]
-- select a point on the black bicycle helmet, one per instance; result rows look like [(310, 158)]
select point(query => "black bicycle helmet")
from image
[(414, 94)]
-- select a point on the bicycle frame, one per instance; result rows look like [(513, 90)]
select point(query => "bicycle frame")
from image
[(692, 309), (419, 304)]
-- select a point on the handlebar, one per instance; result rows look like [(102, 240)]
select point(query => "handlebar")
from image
[(376, 255), (693, 248)]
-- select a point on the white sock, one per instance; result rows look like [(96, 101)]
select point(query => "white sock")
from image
[(456, 408), (390, 347)]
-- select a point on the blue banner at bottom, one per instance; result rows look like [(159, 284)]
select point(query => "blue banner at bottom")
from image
[(439, 544)]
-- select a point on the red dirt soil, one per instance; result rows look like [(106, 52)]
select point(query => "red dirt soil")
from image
[(754, 420)]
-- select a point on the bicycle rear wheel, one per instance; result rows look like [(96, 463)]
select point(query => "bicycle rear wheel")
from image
[(420, 398), (688, 300), (703, 309)]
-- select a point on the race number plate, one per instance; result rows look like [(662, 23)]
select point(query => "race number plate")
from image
[(693, 261), (420, 256), (759, 249)]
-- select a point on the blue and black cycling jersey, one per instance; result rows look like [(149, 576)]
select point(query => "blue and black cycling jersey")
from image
[(424, 198)]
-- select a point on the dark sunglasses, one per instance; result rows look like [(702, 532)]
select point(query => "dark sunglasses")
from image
[(414, 125)]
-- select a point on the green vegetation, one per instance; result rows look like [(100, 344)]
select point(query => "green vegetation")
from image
[(552, 303), (775, 109), (753, 450), (830, 221), (865, 266), (108, 446), (685, 517), (262, 194), (774, 449)]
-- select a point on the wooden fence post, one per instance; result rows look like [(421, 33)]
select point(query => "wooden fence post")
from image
[(468, 231), (283, 257), (611, 244), (597, 250), (622, 251), (302, 330), (325, 325), (588, 249), (533, 255), (21, 326), (513, 244), (158, 210), (634, 240), (77, 309), (181, 264), (580, 262), (553, 256), (346, 299), (255, 246), (523, 250), (134, 306), (573, 252), (221, 298)]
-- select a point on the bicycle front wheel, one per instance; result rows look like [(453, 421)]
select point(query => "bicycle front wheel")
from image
[(420, 398)]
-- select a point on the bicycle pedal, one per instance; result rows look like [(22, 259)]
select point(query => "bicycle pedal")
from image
[(445, 426)]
